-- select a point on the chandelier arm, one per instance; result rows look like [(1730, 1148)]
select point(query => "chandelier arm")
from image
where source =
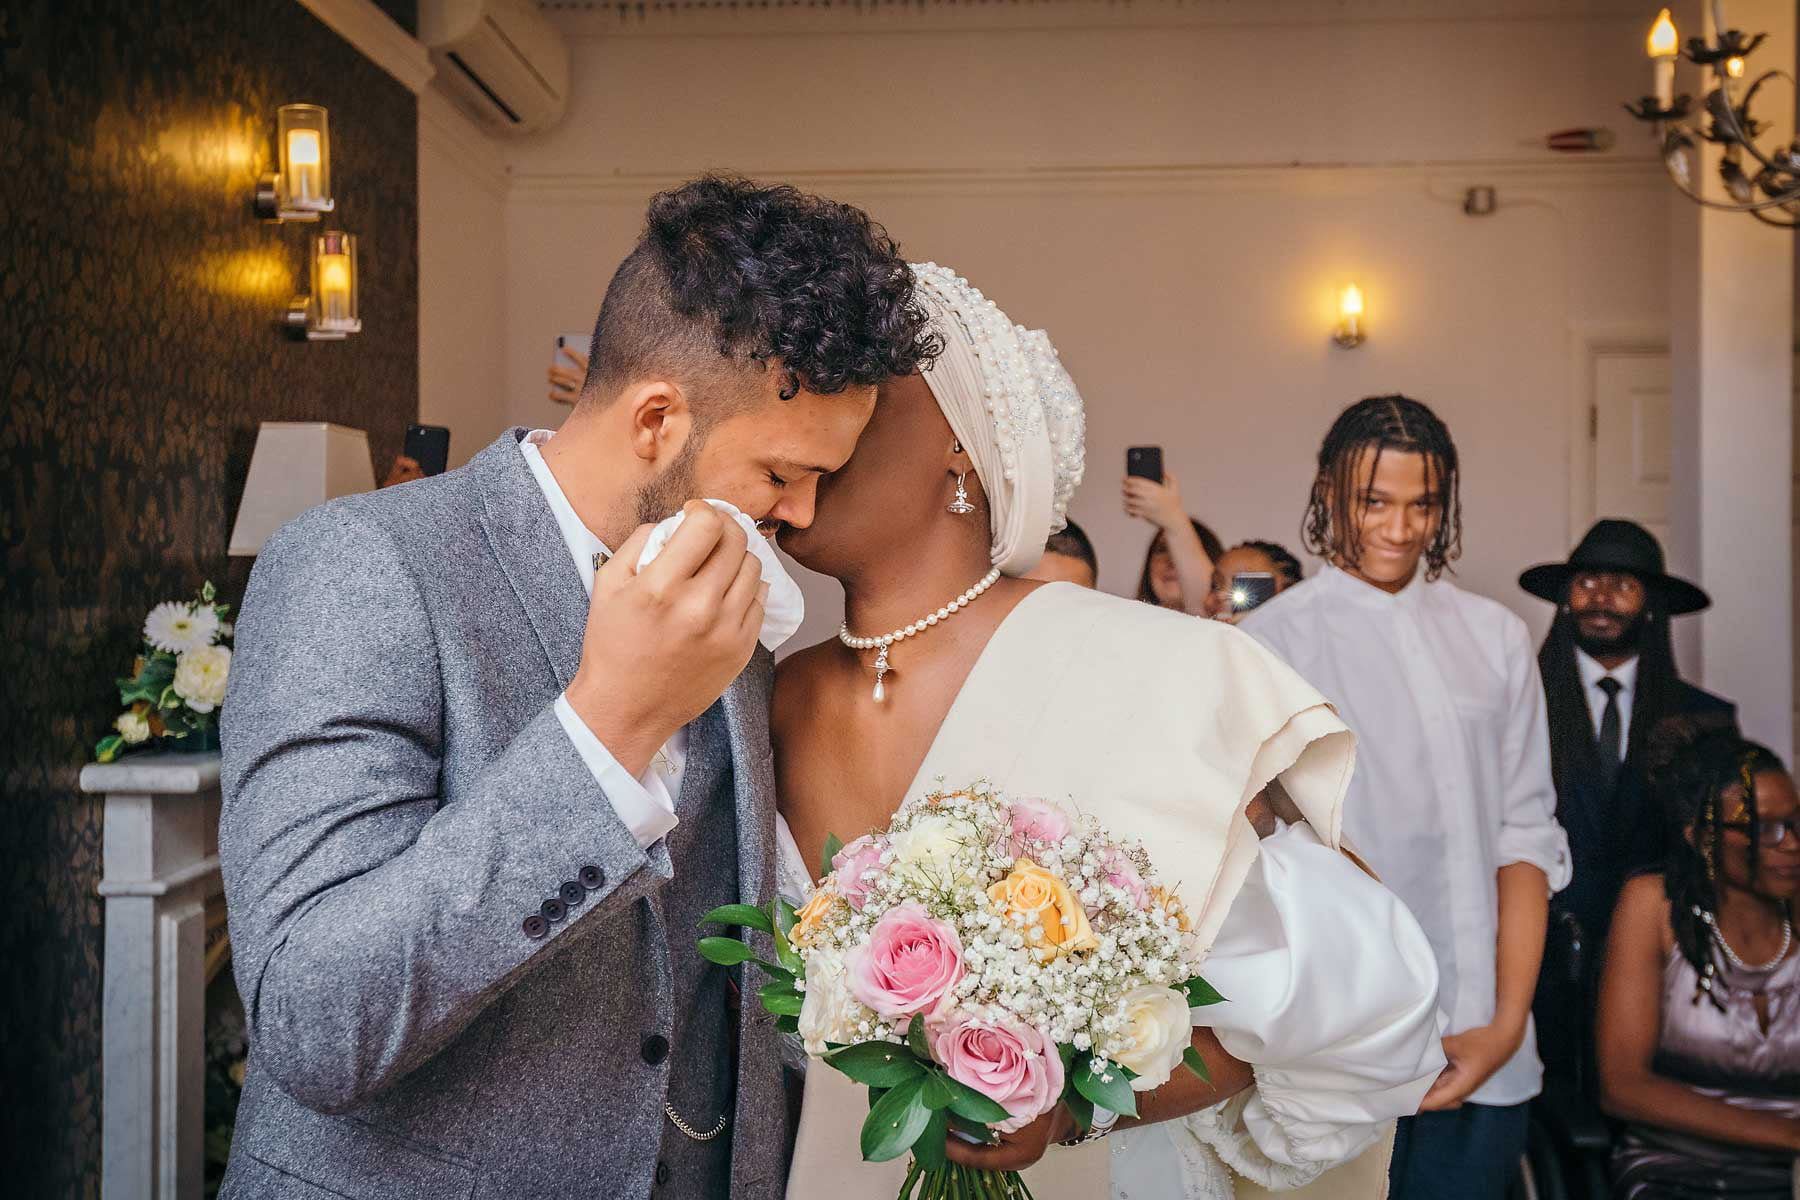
[(1697, 198), (1766, 219), (1740, 137)]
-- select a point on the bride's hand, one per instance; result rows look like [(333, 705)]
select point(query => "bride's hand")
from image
[(1017, 1150)]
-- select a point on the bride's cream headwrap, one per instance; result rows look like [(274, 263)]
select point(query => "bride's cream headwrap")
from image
[(1014, 409)]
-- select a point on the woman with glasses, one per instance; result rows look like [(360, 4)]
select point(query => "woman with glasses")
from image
[(1699, 1023)]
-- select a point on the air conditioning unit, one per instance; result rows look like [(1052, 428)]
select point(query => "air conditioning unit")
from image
[(506, 64)]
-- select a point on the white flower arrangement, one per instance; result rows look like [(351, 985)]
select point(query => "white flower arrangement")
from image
[(977, 963), (178, 682)]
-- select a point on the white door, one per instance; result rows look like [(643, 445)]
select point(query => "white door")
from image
[(1630, 429)]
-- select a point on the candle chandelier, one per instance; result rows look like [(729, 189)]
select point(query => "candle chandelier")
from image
[(1764, 184)]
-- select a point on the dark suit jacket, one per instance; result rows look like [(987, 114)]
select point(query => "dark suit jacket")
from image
[(1613, 835)]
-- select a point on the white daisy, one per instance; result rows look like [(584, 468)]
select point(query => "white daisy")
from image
[(180, 627)]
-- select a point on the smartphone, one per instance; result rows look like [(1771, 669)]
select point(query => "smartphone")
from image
[(429, 446), (1250, 589), (580, 343), (1144, 462)]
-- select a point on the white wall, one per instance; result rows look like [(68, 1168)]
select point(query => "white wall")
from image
[(1175, 191), (462, 278)]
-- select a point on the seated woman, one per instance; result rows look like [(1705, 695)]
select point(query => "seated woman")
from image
[(1699, 1022)]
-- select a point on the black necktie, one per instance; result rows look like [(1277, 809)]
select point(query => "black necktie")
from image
[(1612, 741)]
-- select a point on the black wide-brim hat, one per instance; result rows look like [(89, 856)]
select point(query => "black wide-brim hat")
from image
[(1622, 546)]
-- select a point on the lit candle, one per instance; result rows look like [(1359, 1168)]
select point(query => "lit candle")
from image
[(1350, 311), (303, 163), (334, 288), (1663, 45)]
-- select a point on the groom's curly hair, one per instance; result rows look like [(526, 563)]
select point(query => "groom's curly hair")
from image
[(731, 275)]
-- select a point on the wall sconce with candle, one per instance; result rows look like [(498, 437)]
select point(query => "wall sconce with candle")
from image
[(1349, 333), (330, 313), (301, 190)]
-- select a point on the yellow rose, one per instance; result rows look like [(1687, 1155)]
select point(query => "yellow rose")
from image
[(1171, 903), (1040, 896), (812, 916)]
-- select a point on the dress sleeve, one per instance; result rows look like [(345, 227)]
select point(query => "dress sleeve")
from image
[(1331, 997)]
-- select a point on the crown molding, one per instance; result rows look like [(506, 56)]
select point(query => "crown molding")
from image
[(586, 19), (380, 40), (1335, 179)]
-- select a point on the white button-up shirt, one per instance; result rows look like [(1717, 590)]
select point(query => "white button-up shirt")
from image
[(1591, 675), (1453, 765), (647, 803)]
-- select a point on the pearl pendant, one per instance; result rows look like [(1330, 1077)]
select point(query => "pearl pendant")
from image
[(881, 670)]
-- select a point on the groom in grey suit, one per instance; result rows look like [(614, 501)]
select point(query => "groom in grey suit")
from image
[(472, 816)]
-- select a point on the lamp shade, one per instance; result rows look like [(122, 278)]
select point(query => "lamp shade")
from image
[(298, 465)]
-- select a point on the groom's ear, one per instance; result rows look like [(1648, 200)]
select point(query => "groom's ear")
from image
[(659, 420)]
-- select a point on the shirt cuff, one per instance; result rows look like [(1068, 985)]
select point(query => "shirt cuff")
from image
[(643, 804)]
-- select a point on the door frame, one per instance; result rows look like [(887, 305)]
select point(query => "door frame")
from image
[(1592, 340)]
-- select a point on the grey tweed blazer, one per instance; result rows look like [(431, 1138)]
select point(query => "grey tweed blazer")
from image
[(399, 804)]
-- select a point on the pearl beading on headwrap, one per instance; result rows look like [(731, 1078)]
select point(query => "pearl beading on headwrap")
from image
[(1008, 399)]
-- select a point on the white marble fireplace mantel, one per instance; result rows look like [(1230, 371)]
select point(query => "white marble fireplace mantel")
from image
[(161, 867)]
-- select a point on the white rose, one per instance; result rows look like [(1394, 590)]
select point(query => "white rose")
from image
[(1161, 1028), (132, 727), (180, 628), (200, 677), (829, 1013), (930, 847)]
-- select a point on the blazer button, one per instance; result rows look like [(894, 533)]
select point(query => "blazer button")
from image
[(572, 893), (553, 909), (662, 1173), (592, 878), (655, 1048), (536, 927)]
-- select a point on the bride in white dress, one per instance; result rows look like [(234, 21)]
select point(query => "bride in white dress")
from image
[(1179, 732)]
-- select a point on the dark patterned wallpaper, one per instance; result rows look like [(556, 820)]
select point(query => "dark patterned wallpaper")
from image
[(138, 352)]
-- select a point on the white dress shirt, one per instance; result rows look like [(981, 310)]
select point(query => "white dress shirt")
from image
[(1591, 675), (647, 803), (1453, 765)]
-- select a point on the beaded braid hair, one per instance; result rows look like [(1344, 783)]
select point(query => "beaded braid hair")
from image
[(1702, 776), (1393, 422)]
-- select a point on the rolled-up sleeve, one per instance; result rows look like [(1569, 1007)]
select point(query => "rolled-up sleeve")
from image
[(1528, 829), (1331, 997)]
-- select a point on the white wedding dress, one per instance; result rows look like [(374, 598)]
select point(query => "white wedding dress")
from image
[(1330, 982)]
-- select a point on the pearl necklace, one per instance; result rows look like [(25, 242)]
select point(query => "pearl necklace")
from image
[(884, 642), (1787, 943)]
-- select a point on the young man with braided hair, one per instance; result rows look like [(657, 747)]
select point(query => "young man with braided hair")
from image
[(1452, 802)]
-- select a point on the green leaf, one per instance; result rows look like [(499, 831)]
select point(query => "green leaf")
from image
[(936, 1091), (781, 998), (1111, 1090), (1080, 1107), (786, 916), (929, 1149), (787, 1024), (877, 1064), (915, 1037), (1200, 993), (786, 955), (727, 952), (1196, 1064), (895, 1122), (971, 1105), (832, 845), (747, 916), (108, 748)]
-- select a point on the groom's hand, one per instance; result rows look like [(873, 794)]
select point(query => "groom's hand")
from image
[(662, 645)]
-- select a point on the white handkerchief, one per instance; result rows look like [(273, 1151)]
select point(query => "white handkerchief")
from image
[(783, 610)]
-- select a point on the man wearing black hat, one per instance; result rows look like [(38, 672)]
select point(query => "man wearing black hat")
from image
[(1609, 677)]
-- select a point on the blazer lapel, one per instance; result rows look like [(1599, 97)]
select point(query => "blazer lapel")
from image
[(746, 704), (531, 551)]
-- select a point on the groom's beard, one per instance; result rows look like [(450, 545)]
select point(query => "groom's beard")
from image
[(663, 496)]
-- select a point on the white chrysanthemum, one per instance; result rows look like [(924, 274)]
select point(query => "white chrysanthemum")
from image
[(179, 628), (200, 677), (132, 727), (829, 1013)]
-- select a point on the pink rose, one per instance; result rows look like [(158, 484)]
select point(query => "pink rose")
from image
[(909, 963), (856, 866), (1014, 1065), (1123, 875), (1037, 820)]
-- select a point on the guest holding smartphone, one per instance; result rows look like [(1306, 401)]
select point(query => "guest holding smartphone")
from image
[(1178, 566), (1247, 576)]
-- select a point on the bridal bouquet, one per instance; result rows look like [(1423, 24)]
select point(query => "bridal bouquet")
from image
[(177, 684), (980, 961)]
